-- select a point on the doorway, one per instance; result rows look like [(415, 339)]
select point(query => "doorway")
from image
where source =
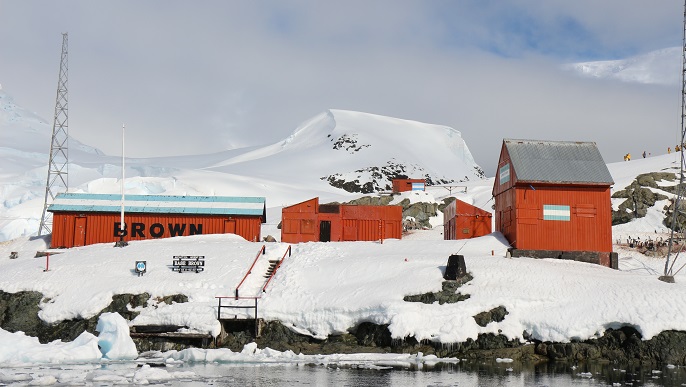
[(230, 226), (79, 231), (325, 231)]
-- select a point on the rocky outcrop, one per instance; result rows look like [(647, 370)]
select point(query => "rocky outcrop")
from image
[(623, 345), (419, 212), (639, 196), (19, 312), (496, 314), (378, 179), (448, 294)]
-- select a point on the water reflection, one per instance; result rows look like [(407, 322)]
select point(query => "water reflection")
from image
[(463, 373)]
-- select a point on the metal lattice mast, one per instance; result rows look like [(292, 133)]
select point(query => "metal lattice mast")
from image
[(58, 180), (676, 227)]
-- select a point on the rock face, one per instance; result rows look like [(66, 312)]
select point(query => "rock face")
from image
[(496, 314), (622, 345), (420, 212), (639, 196), (448, 294), (377, 179), (18, 312)]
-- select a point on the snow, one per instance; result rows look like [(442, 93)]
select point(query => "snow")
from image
[(18, 348), (114, 340), (321, 288)]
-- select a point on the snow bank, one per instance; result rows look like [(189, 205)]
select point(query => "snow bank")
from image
[(114, 340), (113, 343), (17, 348), (252, 354)]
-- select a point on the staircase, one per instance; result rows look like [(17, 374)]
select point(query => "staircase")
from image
[(272, 266)]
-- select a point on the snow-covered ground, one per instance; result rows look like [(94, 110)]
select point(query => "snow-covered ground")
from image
[(327, 288), (322, 288)]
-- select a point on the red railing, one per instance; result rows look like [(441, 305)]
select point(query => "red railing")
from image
[(288, 251), (262, 251), (220, 306)]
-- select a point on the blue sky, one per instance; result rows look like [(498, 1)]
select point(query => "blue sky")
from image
[(196, 77)]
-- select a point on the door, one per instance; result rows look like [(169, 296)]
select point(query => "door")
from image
[(79, 231), (230, 226), (325, 231)]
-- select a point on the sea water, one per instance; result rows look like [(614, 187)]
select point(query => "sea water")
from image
[(462, 373)]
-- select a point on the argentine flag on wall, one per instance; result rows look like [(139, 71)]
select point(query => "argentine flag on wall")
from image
[(556, 212)]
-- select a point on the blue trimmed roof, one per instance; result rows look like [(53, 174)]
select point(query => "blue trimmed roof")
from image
[(160, 204)]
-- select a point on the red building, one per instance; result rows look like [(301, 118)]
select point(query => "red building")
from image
[(552, 198), (464, 221), (402, 185), (311, 222), (84, 219)]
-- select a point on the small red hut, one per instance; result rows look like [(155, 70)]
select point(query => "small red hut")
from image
[(464, 221), (402, 185), (311, 222), (554, 197)]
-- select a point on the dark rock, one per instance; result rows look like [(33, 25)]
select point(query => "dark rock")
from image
[(371, 201), (639, 197), (494, 315), (19, 312), (445, 203), (382, 177), (448, 294)]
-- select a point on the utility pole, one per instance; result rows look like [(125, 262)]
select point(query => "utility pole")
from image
[(669, 273), (57, 180)]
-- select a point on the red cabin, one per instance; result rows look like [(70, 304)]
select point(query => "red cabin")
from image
[(81, 219), (554, 196), (402, 185), (311, 222), (464, 221)]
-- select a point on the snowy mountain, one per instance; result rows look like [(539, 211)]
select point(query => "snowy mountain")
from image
[(336, 155), (361, 152), (661, 67)]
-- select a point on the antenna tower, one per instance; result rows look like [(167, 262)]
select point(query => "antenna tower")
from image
[(57, 168), (676, 225)]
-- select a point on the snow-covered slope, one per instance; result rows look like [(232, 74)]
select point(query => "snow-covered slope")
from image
[(363, 152), (657, 67), (335, 155)]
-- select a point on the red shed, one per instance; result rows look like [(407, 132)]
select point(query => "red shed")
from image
[(402, 185), (464, 221), (554, 196), (84, 219), (311, 222)]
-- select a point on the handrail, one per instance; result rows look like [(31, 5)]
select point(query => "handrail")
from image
[(260, 252), (220, 306), (288, 251)]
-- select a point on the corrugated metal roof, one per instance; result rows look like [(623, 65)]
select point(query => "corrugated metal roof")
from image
[(159, 204), (557, 162)]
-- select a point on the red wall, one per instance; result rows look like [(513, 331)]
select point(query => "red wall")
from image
[(519, 216), (464, 221), (301, 222), (78, 229)]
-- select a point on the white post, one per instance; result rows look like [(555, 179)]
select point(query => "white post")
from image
[(122, 225)]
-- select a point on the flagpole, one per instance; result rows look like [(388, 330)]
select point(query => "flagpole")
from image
[(122, 225)]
